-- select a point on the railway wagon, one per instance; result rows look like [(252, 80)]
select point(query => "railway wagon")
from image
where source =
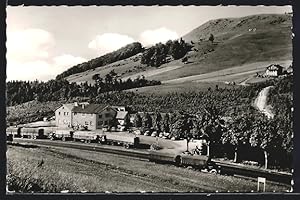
[(160, 157), (49, 130), (197, 160), (88, 136), (234, 169), (14, 131), (126, 140), (32, 133), (62, 134), (9, 138)]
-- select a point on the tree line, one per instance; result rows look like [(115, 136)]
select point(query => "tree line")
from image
[(54, 90)]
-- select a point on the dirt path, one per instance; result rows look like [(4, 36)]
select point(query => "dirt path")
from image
[(261, 102)]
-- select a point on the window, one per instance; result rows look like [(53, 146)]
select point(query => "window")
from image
[(86, 123), (105, 122), (58, 113), (75, 113), (100, 116), (106, 114), (91, 123), (100, 123), (67, 113)]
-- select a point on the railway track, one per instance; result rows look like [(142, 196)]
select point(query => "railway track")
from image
[(142, 154), (225, 167)]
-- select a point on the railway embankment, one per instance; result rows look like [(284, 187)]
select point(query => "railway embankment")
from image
[(56, 169)]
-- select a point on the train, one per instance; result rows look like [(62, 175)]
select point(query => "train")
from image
[(110, 138), (55, 133), (199, 162)]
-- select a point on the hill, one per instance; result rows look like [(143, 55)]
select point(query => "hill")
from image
[(255, 41), (31, 111), (120, 54)]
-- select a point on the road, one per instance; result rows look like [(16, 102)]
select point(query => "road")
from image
[(261, 102)]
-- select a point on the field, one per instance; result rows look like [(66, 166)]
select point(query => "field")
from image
[(44, 169)]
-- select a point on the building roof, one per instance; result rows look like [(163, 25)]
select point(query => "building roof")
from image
[(89, 108), (121, 114), (119, 108), (69, 105)]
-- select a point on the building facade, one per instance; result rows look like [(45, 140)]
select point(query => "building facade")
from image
[(83, 115), (274, 70), (63, 116)]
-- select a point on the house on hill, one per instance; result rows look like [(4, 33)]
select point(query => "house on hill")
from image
[(274, 70), (289, 70), (89, 116)]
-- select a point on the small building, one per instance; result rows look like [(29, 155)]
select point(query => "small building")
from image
[(289, 70), (121, 117), (274, 70)]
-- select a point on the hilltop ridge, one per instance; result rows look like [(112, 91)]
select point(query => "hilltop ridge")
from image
[(264, 38)]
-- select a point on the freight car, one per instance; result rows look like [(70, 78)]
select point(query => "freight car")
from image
[(62, 134), (88, 137), (49, 131), (9, 136), (14, 131), (126, 140), (32, 133), (197, 161)]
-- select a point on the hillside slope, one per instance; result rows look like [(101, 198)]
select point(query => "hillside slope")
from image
[(237, 42)]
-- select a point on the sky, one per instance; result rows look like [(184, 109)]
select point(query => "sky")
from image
[(42, 42)]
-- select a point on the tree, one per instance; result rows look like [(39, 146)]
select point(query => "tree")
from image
[(265, 137), (166, 123), (147, 121), (211, 38), (210, 127), (238, 133), (138, 120), (127, 122), (182, 128), (157, 121)]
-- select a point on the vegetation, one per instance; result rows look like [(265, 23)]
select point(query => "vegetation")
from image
[(201, 115), (157, 55), (31, 111), (23, 91), (120, 54), (211, 38)]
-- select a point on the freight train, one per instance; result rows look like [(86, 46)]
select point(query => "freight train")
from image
[(132, 141), (54, 133), (115, 138)]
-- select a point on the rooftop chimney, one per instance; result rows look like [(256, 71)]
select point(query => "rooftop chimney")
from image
[(75, 103), (83, 105)]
